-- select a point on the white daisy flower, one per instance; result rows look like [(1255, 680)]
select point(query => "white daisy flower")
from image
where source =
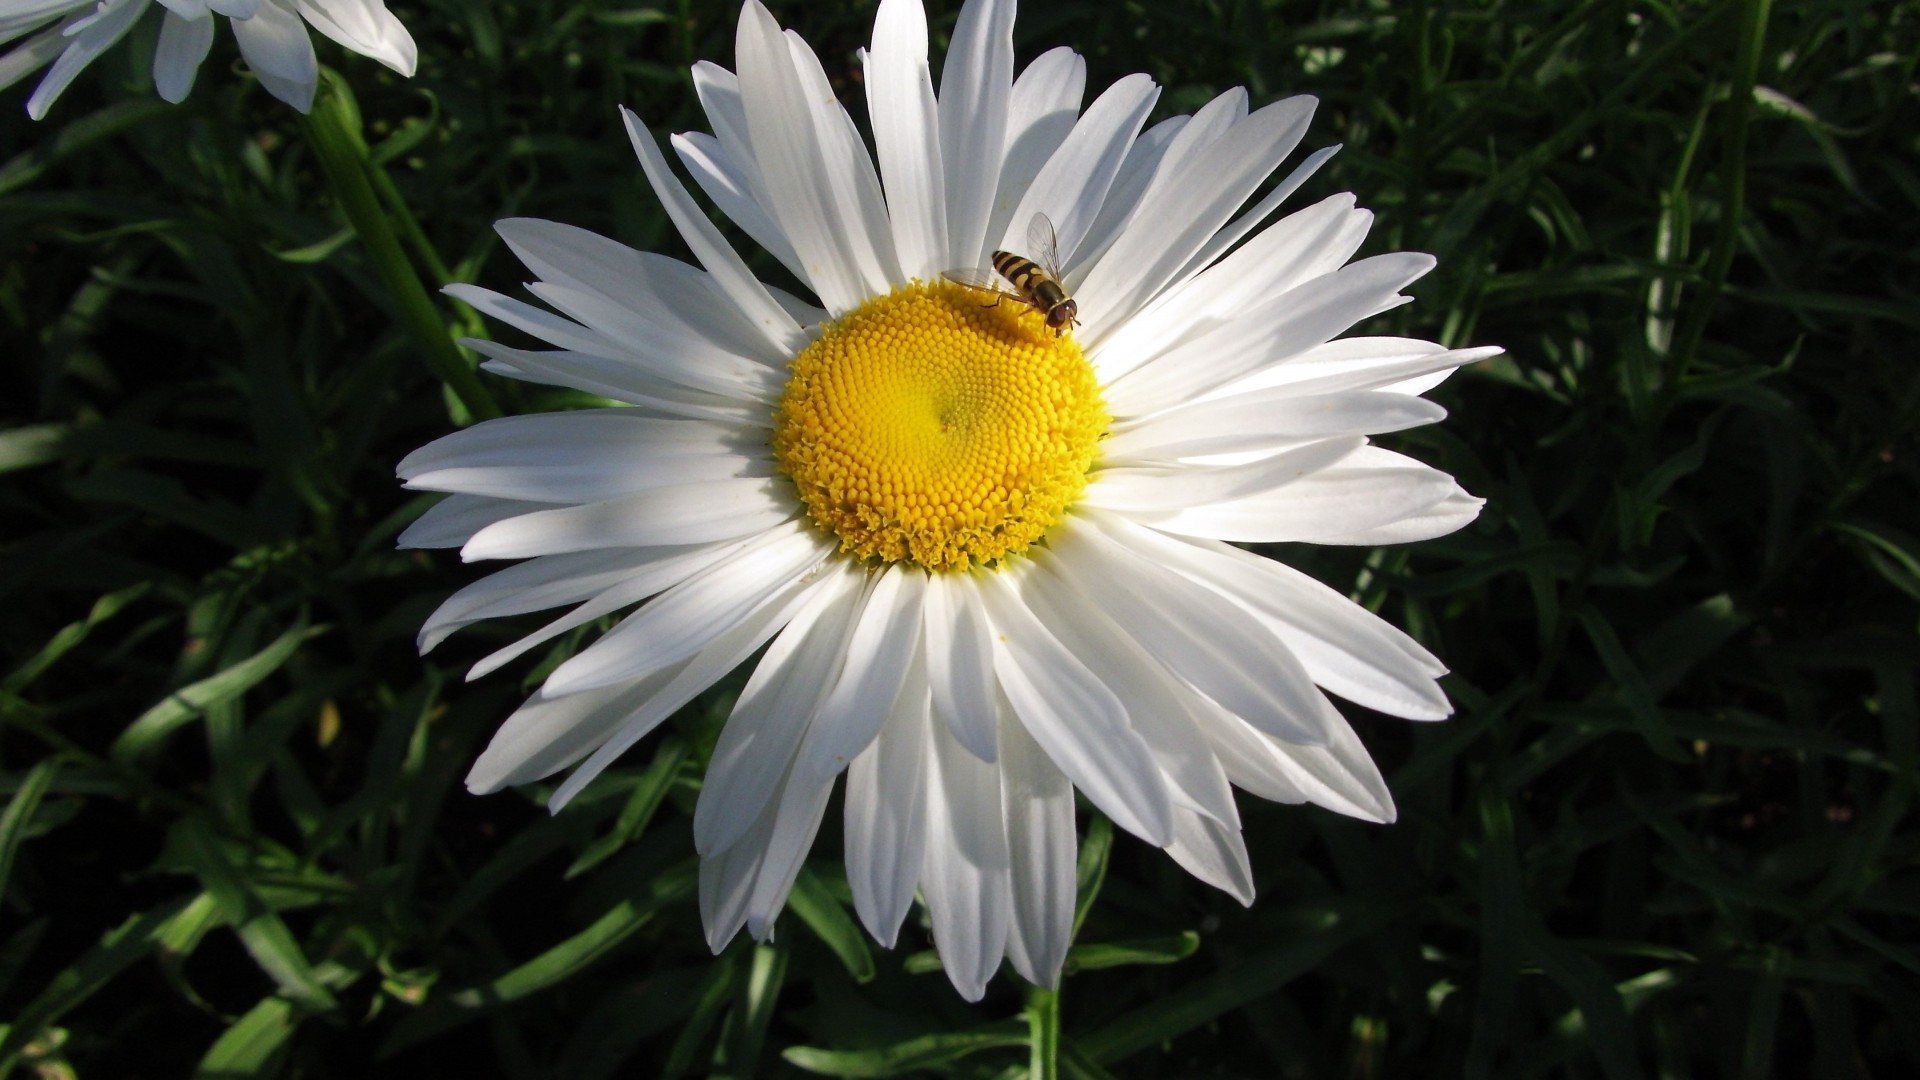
[(990, 562), (272, 41)]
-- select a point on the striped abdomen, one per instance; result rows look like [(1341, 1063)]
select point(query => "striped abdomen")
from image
[(1037, 287)]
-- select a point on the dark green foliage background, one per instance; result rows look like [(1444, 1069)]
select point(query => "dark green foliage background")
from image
[(1669, 833)]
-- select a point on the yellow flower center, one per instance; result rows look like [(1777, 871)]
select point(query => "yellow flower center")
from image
[(930, 426)]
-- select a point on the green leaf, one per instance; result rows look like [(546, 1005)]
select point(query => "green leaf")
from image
[(19, 814), (1315, 935), (831, 923), (1630, 685), (251, 1045), (32, 444), (1166, 950), (738, 1053), (118, 950), (928, 1053), (1608, 1033), (266, 938), (69, 636), (150, 730), (550, 968)]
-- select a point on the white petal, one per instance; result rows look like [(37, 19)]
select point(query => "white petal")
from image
[(1346, 648), (1158, 705), (1372, 489), (667, 348), (975, 86), (452, 521), (906, 137), (275, 45), (727, 880), (758, 743), (821, 187), (107, 25), (1145, 491), (366, 27), (31, 55), (1040, 114), (676, 514), (1296, 320), (737, 191), (685, 618), (965, 879), (1232, 233), (609, 433), (886, 826), (183, 44), (1302, 246), (1076, 718), (538, 584), (606, 455), (1037, 803), (885, 640), (1212, 852), (678, 564), (1358, 363), (621, 380), (1186, 206), (1339, 776), (796, 821), (662, 290), (960, 663), (1074, 183), (1123, 198), (547, 734), (724, 653), (1450, 514), (1200, 637), (729, 272), (1264, 420)]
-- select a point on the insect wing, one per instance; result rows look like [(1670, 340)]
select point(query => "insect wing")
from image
[(1043, 246), (984, 280)]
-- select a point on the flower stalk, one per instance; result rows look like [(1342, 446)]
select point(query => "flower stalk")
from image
[(333, 131)]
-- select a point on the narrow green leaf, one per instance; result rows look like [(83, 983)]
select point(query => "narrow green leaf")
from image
[(928, 1053), (117, 951), (550, 968), (19, 814), (69, 636), (831, 923), (318, 251), (1630, 684), (1091, 872), (1318, 934), (250, 1046), (74, 136), (649, 790), (1166, 950), (1608, 1032), (266, 938), (738, 1052), (1502, 913), (31, 444), (147, 732)]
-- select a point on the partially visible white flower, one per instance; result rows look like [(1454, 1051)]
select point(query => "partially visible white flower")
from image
[(984, 561), (272, 40)]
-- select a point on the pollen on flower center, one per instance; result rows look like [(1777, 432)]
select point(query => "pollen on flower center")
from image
[(931, 427)]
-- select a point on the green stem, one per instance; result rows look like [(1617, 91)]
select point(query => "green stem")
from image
[(1043, 1027), (335, 137), (1733, 188)]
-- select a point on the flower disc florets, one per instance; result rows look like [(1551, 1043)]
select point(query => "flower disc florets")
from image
[(930, 427)]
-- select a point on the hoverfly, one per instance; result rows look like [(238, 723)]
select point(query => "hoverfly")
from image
[(1036, 281)]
